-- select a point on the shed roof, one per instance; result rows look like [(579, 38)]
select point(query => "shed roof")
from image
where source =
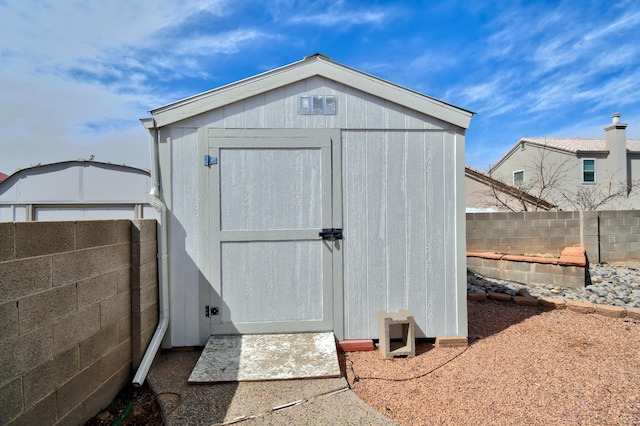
[(77, 181), (310, 66), (70, 163)]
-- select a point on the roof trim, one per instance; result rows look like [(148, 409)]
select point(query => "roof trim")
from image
[(310, 66), (507, 189)]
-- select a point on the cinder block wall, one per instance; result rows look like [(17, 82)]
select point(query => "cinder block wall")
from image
[(607, 236), (523, 232), (144, 286), (619, 235), (67, 307)]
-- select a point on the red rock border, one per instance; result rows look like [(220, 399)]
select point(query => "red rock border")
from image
[(551, 303), (570, 256)]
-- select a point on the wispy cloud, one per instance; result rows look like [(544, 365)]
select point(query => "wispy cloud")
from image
[(78, 73), (68, 64), (337, 14)]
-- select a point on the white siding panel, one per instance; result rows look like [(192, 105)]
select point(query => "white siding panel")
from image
[(355, 232), (13, 213), (375, 186), (339, 120), (149, 212), (9, 192), (316, 86), (234, 115), (435, 215), (416, 206), (105, 185), (254, 112), (415, 120), (279, 109), (376, 112), (61, 213), (451, 301), (291, 93), (397, 222), (355, 108), (275, 114), (214, 118), (41, 188), (195, 121), (263, 285), (271, 189), (184, 253), (395, 116)]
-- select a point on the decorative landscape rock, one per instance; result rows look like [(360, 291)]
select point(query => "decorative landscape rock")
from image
[(615, 285)]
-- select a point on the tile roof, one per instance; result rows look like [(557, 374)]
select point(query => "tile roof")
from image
[(580, 144)]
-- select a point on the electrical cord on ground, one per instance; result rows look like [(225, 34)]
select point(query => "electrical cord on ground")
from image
[(357, 378), (280, 407)]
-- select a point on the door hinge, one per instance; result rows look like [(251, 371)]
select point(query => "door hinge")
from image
[(210, 160), (211, 311)]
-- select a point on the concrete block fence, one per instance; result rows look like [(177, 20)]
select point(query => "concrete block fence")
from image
[(569, 270), (78, 306), (607, 236)]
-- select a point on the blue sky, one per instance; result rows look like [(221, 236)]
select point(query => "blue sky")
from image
[(77, 76)]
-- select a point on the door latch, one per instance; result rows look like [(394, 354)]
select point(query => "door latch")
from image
[(211, 311), (331, 234)]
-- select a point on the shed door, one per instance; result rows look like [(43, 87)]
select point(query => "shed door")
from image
[(272, 272)]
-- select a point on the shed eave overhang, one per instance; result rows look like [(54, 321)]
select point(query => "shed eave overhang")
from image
[(315, 65)]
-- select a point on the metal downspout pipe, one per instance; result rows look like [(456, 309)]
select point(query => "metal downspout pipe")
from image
[(163, 270)]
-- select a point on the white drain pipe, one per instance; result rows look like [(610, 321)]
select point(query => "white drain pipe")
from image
[(163, 271)]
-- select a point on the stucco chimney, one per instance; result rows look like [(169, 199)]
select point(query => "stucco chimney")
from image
[(616, 138)]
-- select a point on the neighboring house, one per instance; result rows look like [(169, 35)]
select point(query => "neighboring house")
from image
[(575, 173), (76, 190), (309, 198), (3, 177), (484, 194)]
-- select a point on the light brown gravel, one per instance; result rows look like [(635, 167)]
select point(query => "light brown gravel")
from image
[(528, 367)]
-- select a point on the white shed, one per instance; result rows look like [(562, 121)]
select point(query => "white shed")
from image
[(76, 190), (309, 198)]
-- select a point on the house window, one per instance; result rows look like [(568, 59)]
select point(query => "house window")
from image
[(518, 178), (588, 170)]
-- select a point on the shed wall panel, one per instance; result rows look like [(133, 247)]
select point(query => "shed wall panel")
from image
[(355, 215), (279, 109), (255, 276), (270, 189), (416, 222), (184, 243), (397, 224), (40, 187)]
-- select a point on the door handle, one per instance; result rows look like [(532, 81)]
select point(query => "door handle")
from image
[(331, 234)]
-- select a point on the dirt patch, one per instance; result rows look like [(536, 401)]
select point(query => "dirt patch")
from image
[(132, 406)]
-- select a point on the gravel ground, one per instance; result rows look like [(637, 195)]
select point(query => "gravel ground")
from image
[(523, 366)]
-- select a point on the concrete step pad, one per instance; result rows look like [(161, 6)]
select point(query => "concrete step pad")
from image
[(260, 357)]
